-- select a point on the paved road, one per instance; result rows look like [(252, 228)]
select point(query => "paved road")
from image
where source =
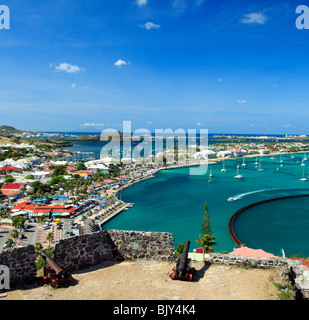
[(4, 235), (29, 235)]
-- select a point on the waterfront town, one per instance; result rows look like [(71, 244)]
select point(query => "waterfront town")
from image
[(46, 195)]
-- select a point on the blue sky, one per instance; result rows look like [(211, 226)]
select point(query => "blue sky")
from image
[(226, 66)]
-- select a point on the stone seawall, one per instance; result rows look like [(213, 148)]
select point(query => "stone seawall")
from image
[(21, 262), (113, 245)]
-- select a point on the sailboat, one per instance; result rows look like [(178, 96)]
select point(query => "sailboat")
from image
[(256, 161), (305, 157), (302, 163), (243, 162), (303, 178), (223, 169), (260, 166), (210, 176), (238, 176)]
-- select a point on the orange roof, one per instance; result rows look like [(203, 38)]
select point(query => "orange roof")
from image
[(248, 252)]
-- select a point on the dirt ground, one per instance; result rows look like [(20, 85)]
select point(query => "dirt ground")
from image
[(149, 280)]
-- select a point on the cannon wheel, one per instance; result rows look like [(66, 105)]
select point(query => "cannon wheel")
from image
[(174, 269), (190, 278), (53, 283), (173, 276)]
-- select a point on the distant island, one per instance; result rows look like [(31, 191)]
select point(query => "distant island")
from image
[(11, 135), (113, 136)]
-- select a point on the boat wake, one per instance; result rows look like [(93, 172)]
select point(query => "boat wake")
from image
[(242, 195)]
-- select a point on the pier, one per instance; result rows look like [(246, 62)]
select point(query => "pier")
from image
[(120, 209)]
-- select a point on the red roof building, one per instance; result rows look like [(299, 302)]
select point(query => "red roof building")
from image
[(10, 169), (12, 187), (25, 206)]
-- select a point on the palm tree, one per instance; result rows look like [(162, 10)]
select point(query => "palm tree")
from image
[(14, 234), (10, 242), (50, 237)]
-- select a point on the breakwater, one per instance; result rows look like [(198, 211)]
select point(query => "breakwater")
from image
[(236, 214)]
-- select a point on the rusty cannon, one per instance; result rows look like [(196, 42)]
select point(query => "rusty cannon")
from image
[(54, 274), (183, 270)]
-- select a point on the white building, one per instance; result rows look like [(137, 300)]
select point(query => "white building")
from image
[(224, 154), (205, 154)]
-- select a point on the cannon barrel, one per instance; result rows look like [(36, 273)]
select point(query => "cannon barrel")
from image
[(52, 264), (183, 262)]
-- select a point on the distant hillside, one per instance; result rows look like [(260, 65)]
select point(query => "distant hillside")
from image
[(9, 130), (8, 136), (103, 137)]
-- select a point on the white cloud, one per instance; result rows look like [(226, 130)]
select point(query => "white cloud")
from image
[(256, 17), (149, 122), (92, 124), (141, 3), (242, 101), (198, 124), (219, 79), (150, 25), (287, 125), (68, 68), (73, 85), (120, 63)]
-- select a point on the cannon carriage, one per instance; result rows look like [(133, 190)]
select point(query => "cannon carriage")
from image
[(183, 270), (54, 274)]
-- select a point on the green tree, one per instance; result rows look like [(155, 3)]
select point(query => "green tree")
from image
[(206, 239), (10, 242), (9, 179), (50, 237), (14, 234), (206, 221), (40, 261), (207, 242), (59, 171), (18, 221), (80, 166), (179, 250)]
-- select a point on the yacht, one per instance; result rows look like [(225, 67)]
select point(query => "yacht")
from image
[(243, 162), (303, 178), (210, 174), (238, 176), (223, 169), (210, 177)]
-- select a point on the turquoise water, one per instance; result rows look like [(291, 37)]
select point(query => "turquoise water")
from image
[(173, 201)]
